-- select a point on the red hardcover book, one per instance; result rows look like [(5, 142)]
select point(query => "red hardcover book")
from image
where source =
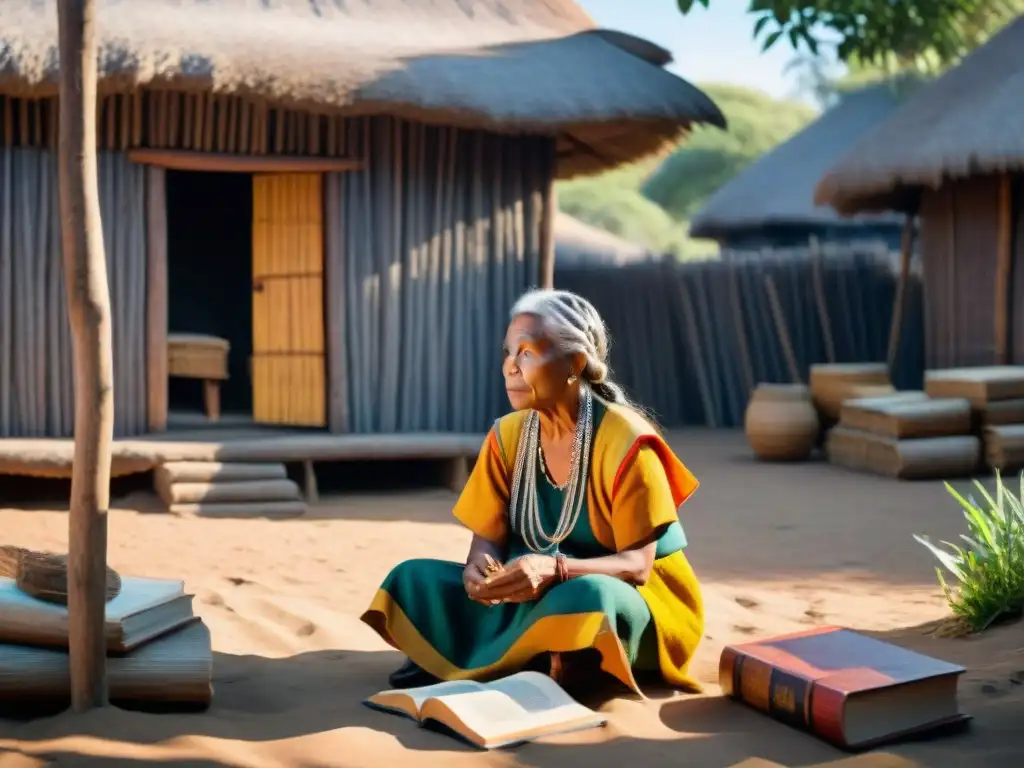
[(847, 688)]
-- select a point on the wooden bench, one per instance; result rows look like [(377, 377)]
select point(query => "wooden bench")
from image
[(198, 356)]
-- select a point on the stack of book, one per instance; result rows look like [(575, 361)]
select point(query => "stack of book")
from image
[(158, 651)]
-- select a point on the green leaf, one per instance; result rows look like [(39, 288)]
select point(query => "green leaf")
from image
[(760, 24), (947, 560), (771, 40)]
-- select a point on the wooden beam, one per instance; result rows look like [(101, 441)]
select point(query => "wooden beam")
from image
[(547, 237), (156, 299), (900, 300), (1004, 267), (334, 306), (181, 160), (88, 297)]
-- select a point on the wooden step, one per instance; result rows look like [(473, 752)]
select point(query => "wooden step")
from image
[(214, 471), (270, 509), (245, 491)]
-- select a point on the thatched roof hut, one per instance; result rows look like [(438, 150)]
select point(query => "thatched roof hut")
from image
[(776, 191), (347, 194), (504, 65), (578, 244), (965, 123), (954, 155)]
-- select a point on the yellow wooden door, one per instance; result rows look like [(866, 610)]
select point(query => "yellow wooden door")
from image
[(289, 377)]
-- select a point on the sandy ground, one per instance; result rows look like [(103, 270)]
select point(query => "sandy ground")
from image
[(778, 548)]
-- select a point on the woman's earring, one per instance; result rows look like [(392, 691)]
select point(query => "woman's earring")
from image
[(572, 378)]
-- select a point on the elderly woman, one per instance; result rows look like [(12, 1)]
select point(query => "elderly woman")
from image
[(575, 496)]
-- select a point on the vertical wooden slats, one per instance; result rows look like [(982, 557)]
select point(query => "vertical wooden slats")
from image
[(36, 387), (434, 257)]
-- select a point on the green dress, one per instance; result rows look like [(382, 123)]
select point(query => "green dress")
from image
[(423, 602)]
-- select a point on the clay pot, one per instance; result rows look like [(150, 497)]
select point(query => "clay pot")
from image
[(781, 422)]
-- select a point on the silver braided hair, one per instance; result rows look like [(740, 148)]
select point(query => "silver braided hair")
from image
[(574, 326)]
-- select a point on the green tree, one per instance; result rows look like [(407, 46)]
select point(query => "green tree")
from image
[(710, 158), (878, 32)]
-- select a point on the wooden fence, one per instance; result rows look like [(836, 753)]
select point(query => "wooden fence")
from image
[(690, 340)]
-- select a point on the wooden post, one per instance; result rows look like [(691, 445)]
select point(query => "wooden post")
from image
[(88, 297), (156, 299), (1004, 265), (900, 300), (547, 237)]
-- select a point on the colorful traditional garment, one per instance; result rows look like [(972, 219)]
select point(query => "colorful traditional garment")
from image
[(635, 488)]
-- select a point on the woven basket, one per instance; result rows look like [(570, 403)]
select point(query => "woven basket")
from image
[(44, 575)]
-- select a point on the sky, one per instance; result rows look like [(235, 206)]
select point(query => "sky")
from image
[(714, 45)]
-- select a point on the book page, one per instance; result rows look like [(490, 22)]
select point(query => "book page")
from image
[(410, 700), (522, 706)]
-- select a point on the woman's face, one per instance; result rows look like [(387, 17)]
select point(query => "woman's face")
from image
[(536, 376)]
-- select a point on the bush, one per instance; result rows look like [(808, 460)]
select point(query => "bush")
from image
[(990, 569)]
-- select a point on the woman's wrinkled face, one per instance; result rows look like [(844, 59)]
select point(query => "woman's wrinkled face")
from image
[(536, 376)]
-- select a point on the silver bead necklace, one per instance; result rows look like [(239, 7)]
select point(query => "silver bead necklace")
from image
[(524, 509)]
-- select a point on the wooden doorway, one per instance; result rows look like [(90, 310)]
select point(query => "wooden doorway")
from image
[(289, 376)]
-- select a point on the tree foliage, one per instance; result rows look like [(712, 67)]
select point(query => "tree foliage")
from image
[(879, 32), (710, 158), (649, 202)]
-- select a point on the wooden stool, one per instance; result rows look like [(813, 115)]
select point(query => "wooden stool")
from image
[(197, 356)]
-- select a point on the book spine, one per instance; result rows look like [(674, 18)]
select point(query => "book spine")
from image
[(782, 695)]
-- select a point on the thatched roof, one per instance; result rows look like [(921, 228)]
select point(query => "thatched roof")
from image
[(967, 122), (536, 66), (577, 242), (778, 187)]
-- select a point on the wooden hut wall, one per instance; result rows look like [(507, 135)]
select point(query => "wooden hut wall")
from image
[(690, 340), (959, 244), (1017, 273), (435, 240), (36, 384)]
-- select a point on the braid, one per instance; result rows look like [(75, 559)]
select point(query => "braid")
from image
[(576, 327)]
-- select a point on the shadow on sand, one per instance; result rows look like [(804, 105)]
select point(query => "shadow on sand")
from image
[(260, 700)]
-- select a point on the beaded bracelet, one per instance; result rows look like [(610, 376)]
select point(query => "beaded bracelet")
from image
[(563, 568)]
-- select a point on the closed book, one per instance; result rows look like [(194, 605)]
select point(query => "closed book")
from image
[(175, 670), (143, 610), (847, 688)]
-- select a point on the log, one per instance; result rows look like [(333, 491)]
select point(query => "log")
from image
[(1004, 447), (88, 297), (906, 415), (915, 459), (248, 491), (181, 160), (215, 471), (979, 385), (274, 509)]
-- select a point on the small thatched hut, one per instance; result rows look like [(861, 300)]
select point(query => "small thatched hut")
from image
[(578, 245), (771, 202), (349, 193), (954, 154)]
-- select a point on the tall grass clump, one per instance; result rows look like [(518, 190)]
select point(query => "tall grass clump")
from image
[(989, 565)]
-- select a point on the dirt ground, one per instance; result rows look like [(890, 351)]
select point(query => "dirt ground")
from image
[(778, 548)]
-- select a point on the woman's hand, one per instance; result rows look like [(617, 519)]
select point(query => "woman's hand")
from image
[(474, 577), (523, 579)]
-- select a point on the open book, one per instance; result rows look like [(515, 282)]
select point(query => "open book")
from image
[(519, 708), (144, 609)]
